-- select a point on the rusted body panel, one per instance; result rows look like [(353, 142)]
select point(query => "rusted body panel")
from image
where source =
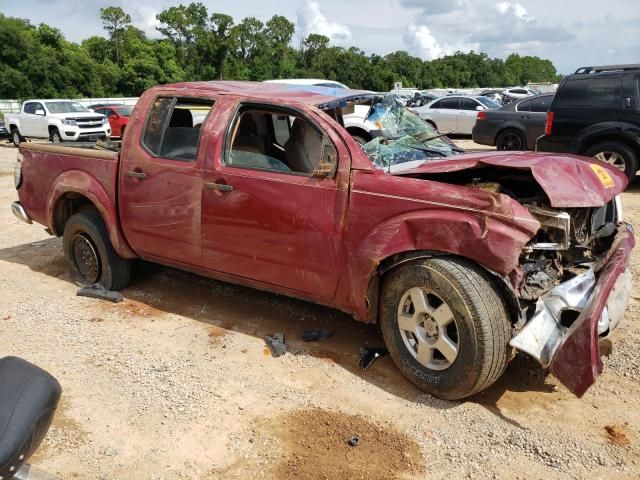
[(577, 361)]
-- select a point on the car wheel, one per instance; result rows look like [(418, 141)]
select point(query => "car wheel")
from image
[(445, 325), (511, 140), (55, 136), (361, 140), (87, 246), (16, 138), (616, 154)]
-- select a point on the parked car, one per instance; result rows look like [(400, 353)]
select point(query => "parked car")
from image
[(456, 113), (58, 121), (459, 259), (421, 99), (520, 92), (515, 126), (4, 132), (96, 106), (118, 116), (596, 112)]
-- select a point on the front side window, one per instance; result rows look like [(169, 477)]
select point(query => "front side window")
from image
[(591, 92), (488, 103), (30, 108), (66, 107), (279, 141), (170, 131)]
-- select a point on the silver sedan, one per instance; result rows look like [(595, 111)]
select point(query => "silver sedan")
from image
[(455, 113)]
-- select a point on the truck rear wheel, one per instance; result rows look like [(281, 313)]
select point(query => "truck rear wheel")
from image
[(87, 247), (16, 138), (445, 325)]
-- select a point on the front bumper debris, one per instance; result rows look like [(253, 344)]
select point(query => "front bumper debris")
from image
[(599, 297)]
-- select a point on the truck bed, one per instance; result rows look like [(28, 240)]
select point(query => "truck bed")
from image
[(97, 169)]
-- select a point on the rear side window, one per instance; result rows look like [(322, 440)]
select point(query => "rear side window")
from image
[(468, 104), (447, 103), (591, 93), (173, 127), (536, 104)]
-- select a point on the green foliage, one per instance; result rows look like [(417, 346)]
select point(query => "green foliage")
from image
[(198, 45)]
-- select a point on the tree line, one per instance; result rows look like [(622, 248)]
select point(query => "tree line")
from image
[(37, 61)]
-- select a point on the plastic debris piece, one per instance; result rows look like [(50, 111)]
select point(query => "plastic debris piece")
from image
[(98, 291), (315, 335), (276, 344), (370, 355)]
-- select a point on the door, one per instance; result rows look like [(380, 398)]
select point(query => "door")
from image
[(161, 183), (467, 115), (533, 116), (32, 125), (445, 114), (265, 216)]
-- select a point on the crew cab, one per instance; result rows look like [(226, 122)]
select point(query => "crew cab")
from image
[(58, 121), (459, 258)]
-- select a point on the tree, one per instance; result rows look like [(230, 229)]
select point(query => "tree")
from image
[(114, 20), (183, 25)]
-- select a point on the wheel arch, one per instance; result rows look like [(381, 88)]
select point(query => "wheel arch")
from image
[(502, 284), (492, 244), (74, 191), (589, 142), (517, 128)]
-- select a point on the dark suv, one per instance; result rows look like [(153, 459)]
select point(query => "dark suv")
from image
[(596, 113)]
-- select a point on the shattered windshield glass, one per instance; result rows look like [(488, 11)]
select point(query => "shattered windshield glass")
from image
[(405, 137)]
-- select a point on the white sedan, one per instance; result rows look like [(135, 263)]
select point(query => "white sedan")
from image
[(455, 113)]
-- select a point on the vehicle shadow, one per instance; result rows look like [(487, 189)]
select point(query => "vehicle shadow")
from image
[(258, 314)]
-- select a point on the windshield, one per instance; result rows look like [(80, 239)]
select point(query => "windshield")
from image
[(125, 111), (487, 102), (405, 137), (65, 107)]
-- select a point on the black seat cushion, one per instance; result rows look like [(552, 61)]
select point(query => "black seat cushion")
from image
[(28, 399)]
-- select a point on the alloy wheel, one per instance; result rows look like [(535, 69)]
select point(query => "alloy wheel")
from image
[(612, 158)]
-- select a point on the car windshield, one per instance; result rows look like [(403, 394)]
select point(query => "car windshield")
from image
[(125, 111), (487, 102), (65, 107), (405, 137)]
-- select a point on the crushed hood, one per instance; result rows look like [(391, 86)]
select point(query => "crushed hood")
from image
[(569, 181)]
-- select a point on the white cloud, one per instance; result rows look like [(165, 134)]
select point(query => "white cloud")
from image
[(144, 17), (422, 43), (312, 20), (516, 9)]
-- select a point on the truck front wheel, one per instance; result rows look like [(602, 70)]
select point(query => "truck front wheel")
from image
[(55, 136), (445, 325), (88, 249)]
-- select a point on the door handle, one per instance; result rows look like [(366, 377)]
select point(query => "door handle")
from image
[(223, 187), (136, 174)]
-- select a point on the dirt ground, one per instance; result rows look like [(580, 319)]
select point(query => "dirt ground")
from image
[(175, 382)]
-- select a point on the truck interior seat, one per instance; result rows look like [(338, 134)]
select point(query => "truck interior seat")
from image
[(304, 147)]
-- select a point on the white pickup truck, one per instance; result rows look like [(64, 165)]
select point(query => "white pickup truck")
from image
[(57, 120)]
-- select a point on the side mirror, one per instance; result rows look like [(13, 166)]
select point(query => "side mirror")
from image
[(40, 112), (479, 108), (91, 110)]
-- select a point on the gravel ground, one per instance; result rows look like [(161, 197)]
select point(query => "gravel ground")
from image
[(175, 383)]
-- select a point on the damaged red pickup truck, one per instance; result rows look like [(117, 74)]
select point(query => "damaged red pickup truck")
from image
[(460, 259)]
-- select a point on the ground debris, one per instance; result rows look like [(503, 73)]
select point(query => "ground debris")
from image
[(98, 291), (276, 344), (315, 335)]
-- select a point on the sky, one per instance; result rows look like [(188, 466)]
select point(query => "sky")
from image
[(571, 33)]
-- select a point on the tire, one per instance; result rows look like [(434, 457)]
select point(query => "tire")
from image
[(360, 139), (511, 139), (88, 249), (55, 136), (16, 138), (472, 317), (616, 154)]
